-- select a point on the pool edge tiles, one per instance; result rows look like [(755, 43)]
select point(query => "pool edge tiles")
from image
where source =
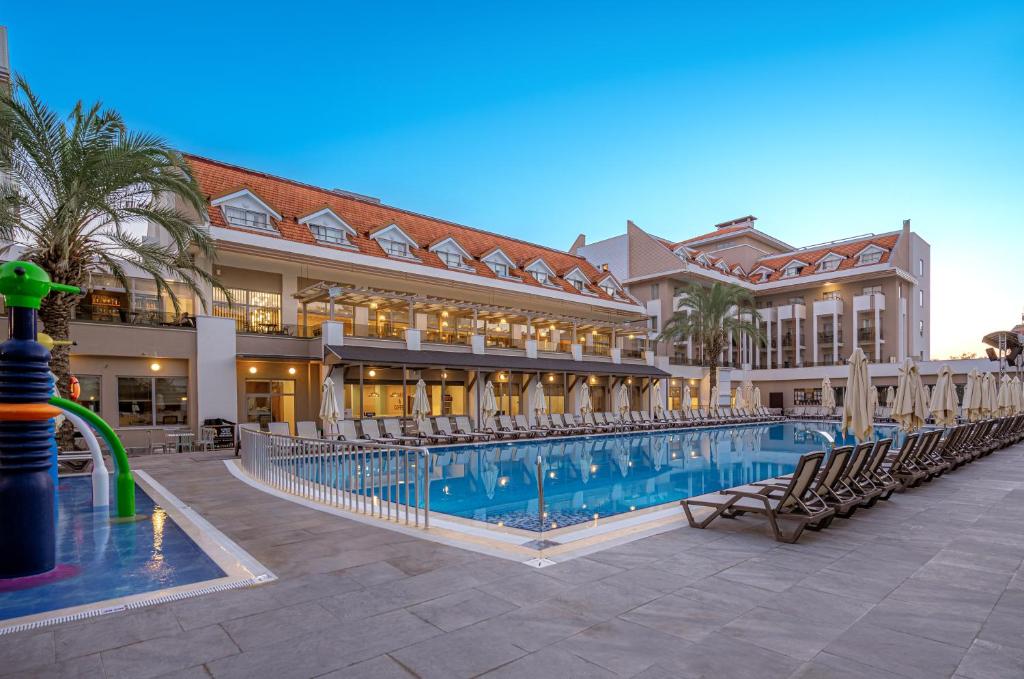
[(239, 567)]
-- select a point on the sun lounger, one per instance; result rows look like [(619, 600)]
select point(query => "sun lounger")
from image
[(425, 431), (464, 426), (371, 429), (393, 433), (306, 430), (506, 426), (279, 428), (444, 428), (347, 432), (796, 503)]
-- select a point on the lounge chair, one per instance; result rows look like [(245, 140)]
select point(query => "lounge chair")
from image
[(796, 503), (306, 430), (425, 430), (506, 426), (590, 419), (875, 476), (393, 432), (444, 428), (565, 429), (828, 485), (521, 423), (347, 432), (574, 421), (464, 426), (279, 428)]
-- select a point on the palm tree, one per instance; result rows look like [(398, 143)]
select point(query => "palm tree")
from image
[(708, 314), (74, 195)]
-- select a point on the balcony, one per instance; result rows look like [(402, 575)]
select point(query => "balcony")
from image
[(827, 337), (89, 313), (828, 307), (870, 302), (867, 335)]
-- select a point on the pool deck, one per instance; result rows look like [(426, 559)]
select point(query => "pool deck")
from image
[(930, 584)]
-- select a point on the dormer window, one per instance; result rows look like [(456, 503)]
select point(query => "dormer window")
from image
[(829, 265), (329, 234), (395, 248), (248, 219), (791, 271), (541, 272), (499, 263), (500, 269), (611, 291), (576, 283), (543, 277), (452, 254), (871, 257), (452, 260)]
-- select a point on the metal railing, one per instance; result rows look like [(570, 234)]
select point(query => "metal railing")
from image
[(384, 481)]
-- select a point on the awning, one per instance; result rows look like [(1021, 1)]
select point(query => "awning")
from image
[(470, 361)]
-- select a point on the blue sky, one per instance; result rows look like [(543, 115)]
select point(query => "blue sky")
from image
[(825, 120)]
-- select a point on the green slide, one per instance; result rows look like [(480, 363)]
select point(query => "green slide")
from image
[(124, 484)]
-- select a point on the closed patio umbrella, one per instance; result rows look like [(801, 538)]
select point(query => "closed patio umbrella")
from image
[(972, 396), (1004, 398), (540, 402), (687, 397), (656, 397), (858, 418), (988, 395), (1018, 402), (420, 403), (943, 404), (909, 409), (330, 412), (890, 397), (828, 394), (584, 405), (489, 476), (756, 401), (623, 399), (489, 404), (715, 398)]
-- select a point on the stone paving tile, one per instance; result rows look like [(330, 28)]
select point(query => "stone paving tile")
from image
[(534, 627), (85, 667), (897, 652), (102, 634), (622, 647), (784, 633), (987, 660), (464, 653), (581, 570), (726, 657), (23, 651), (381, 667), (278, 624), (931, 620), (457, 610), (550, 662), (827, 666), (167, 654), (603, 600), (529, 588), (376, 573), (684, 618)]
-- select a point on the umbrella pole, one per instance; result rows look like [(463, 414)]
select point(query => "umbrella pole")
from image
[(540, 497)]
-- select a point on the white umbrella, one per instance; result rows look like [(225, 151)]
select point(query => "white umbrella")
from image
[(943, 404), (828, 394), (540, 402), (584, 405), (972, 396), (1018, 400), (988, 395), (909, 409), (715, 398), (687, 397), (757, 397), (656, 397), (489, 475), (890, 397), (489, 405), (1004, 399), (585, 462), (420, 403), (330, 413), (858, 417), (623, 399)]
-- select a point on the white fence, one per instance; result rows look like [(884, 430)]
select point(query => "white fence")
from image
[(380, 480)]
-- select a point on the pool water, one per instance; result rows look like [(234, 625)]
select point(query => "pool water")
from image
[(111, 559), (601, 476)]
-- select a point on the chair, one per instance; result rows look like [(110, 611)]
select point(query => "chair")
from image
[(279, 428), (506, 426), (521, 423), (425, 430), (796, 503), (464, 426), (371, 429), (444, 428), (393, 432), (207, 439), (307, 430), (347, 432), (563, 428)]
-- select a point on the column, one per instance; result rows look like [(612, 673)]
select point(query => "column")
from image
[(798, 354), (778, 329), (768, 343), (835, 336), (757, 349), (878, 333), (814, 337)]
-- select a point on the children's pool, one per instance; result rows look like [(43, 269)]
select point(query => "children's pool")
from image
[(102, 558), (601, 476)]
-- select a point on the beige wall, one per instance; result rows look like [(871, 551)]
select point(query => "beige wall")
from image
[(306, 378)]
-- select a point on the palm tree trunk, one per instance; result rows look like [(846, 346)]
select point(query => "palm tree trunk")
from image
[(712, 378), (55, 313)]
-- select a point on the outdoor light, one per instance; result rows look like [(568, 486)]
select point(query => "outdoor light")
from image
[(252, 370), (184, 398), (373, 305), (373, 373), (551, 378), (291, 371), (444, 314), (444, 376), (154, 366), (629, 381)]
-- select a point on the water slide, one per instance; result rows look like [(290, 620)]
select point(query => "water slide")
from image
[(124, 483)]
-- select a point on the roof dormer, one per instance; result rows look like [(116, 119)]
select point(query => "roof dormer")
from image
[(540, 270), (452, 254), (245, 210), (761, 273), (704, 259), (327, 227), (499, 263), (738, 271), (611, 286), (395, 242), (829, 262), (683, 252), (722, 266), (793, 268), (577, 279), (870, 254)]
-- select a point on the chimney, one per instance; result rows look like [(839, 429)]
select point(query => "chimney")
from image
[(581, 240), (5, 60), (747, 221)]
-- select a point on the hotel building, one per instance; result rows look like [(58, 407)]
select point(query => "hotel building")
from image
[(814, 304)]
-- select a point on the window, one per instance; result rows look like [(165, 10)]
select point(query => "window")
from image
[(796, 300), (829, 265), (871, 257), (576, 283), (872, 290), (832, 294), (253, 310), (920, 297), (89, 391), (791, 271), (270, 401), (920, 267), (652, 324), (500, 269), (152, 401), (612, 292), (920, 328), (542, 277), (654, 291), (249, 219), (329, 234), (395, 248), (452, 260)]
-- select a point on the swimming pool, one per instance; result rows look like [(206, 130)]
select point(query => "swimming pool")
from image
[(600, 476), (105, 558)]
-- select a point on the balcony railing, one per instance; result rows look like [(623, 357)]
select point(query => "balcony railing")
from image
[(677, 359), (90, 313), (867, 335), (452, 338), (827, 337), (597, 349)]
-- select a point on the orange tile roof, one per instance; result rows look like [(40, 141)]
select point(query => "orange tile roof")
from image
[(293, 200), (847, 249), (725, 230)]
